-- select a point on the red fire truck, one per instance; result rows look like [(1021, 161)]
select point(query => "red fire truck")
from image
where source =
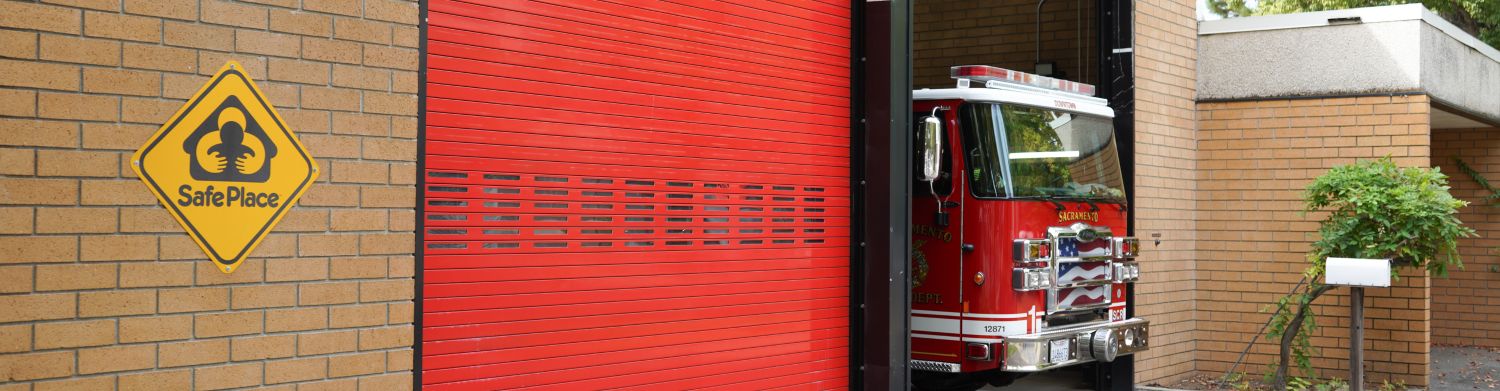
[(1019, 259)]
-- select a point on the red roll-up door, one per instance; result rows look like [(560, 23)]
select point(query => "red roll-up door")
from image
[(636, 194)]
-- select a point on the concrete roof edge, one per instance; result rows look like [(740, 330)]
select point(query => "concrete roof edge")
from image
[(1457, 33), (1390, 13)]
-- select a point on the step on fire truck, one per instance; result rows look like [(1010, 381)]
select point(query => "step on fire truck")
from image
[(1019, 259)]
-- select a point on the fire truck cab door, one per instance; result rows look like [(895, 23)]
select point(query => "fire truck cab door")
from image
[(937, 220)]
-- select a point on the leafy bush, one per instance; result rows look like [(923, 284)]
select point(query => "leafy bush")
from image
[(1375, 210), (1379, 210)]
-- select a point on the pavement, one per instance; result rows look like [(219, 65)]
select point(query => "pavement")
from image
[(1062, 379), (1464, 368), (1453, 368)]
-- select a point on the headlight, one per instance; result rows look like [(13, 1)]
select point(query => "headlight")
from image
[(1031, 250), (1126, 272), (1030, 279), (1126, 247)]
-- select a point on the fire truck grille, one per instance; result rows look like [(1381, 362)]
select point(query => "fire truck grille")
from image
[(1072, 273), (1081, 261), (1082, 297)]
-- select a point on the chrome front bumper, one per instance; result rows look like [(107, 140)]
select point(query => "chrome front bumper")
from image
[(1087, 343)]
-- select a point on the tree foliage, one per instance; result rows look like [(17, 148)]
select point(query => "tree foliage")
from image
[(1379, 210), (1480, 18), (1230, 8)]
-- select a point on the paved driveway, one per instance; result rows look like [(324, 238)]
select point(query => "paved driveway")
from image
[(1064, 379), (1464, 368)]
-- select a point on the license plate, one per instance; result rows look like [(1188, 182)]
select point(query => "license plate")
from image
[(1059, 350)]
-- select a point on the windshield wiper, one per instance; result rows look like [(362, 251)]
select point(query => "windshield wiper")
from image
[(1060, 207), (1049, 198), (1092, 206)]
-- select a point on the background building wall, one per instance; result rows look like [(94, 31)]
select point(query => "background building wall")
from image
[(1464, 308), (1256, 157), (1166, 150), (1002, 33), (100, 288)]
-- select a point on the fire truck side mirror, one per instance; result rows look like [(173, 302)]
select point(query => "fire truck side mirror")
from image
[(932, 148)]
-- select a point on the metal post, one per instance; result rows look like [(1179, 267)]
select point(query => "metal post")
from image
[(1357, 339)]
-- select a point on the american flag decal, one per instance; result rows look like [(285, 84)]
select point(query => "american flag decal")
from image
[(1070, 247), (1067, 247), (1082, 296), (1072, 272)]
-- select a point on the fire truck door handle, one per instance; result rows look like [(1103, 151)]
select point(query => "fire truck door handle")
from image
[(950, 204), (967, 246)]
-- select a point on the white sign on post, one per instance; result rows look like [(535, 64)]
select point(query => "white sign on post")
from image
[(1358, 272)]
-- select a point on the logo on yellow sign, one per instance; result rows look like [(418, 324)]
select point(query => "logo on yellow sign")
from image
[(226, 167)]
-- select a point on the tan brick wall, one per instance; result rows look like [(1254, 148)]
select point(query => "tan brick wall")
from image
[(1165, 160), (1463, 305), (100, 288), (1255, 158), (1002, 33)]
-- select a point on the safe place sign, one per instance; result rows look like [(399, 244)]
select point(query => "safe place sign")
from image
[(226, 166)]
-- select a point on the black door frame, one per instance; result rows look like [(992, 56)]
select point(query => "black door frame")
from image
[(881, 329), (1116, 23)]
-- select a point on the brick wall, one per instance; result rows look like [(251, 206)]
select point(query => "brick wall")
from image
[(101, 289), (1002, 33), (1463, 305), (1165, 152), (1255, 158)]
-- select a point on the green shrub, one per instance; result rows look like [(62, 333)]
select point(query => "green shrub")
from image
[(1375, 210), (1379, 210)]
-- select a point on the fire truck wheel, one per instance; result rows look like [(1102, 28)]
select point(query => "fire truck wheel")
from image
[(934, 381)]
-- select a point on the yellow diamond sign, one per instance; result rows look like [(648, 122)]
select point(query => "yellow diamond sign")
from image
[(226, 166)]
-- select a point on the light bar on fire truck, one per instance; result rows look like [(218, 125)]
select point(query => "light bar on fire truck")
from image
[(988, 74)]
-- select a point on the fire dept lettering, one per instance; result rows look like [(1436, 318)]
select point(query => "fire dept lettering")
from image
[(1071, 216), (927, 230), (926, 298)]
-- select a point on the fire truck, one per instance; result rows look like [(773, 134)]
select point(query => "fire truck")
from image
[(1019, 255)]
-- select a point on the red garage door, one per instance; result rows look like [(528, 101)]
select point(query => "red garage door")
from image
[(636, 194)]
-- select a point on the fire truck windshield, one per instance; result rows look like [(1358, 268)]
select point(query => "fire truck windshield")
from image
[(1047, 153)]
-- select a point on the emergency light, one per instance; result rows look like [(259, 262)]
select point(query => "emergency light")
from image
[(987, 74)]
